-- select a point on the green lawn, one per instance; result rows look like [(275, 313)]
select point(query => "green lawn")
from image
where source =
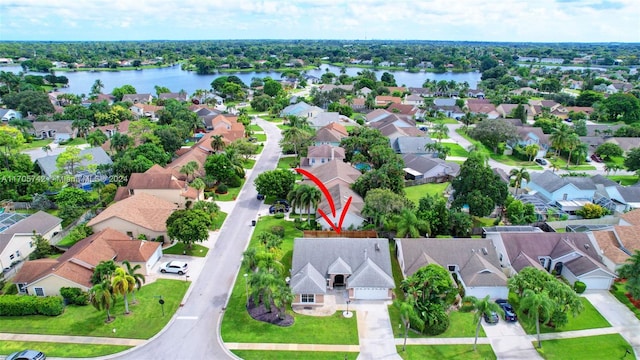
[(293, 355), (254, 127), (461, 325), (282, 127), (415, 193), (456, 150), (76, 141), (179, 249), (618, 290), (260, 137), (144, 321), (61, 350), (35, 144), (218, 220), (397, 274), (287, 162), (612, 346), (443, 352), (624, 180), (248, 163), (231, 194), (590, 318)]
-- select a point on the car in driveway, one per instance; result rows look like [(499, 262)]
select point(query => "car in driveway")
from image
[(541, 161), (509, 312), (27, 355), (492, 318), (596, 158), (174, 267), (278, 208)]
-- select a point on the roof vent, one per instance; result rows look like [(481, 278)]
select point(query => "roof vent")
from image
[(484, 251), (587, 246), (377, 247)]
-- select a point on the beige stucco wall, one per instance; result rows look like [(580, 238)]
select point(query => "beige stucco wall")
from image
[(52, 284), (125, 227), (170, 195)]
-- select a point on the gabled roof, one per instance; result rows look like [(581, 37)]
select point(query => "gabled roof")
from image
[(140, 209), (632, 217), (523, 260), (334, 170), (424, 164), (326, 151), (610, 242), (98, 156), (370, 258), (329, 134), (39, 223), (411, 144), (404, 109), (339, 267), (476, 259), (552, 182), (340, 193), (154, 180)]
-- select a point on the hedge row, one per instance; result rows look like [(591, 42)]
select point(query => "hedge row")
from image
[(20, 305)]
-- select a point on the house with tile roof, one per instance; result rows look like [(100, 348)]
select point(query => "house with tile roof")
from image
[(473, 261), (195, 153), (362, 267), (617, 244), (74, 268), (138, 98), (146, 110), (17, 231), (57, 130), (330, 134), (384, 100), (138, 214), (571, 255), (160, 183)]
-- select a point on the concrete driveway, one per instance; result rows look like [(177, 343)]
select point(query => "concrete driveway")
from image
[(618, 315), (509, 341), (374, 331)]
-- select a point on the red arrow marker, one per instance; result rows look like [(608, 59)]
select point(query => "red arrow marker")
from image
[(337, 228), (322, 188)]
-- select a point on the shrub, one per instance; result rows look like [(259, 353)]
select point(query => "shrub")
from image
[(278, 230), (234, 181), (222, 189), (21, 305), (160, 239), (438, 321), (12, 289), (592, 211), (579, 287), (74, 296), (279, 215)]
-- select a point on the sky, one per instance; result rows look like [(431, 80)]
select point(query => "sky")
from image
[(457, 20)]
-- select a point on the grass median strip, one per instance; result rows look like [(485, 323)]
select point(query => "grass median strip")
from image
[(443, 352), (612, 346), (306, 355), (61, 350)]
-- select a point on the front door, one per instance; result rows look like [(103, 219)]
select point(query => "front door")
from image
[(338, 280)]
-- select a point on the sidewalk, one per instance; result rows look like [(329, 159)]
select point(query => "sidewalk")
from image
[(92, 340)]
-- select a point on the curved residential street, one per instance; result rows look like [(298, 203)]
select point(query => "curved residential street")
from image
[(193, 333)]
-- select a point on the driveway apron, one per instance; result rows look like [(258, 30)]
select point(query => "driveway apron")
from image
[(509, 341), (374, 331)]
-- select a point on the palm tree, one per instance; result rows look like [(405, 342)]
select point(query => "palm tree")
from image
[(482, 307), (217, 143), (138, 278), (519, 176), (97, 186), (189, 169), (536, 307), (571, 144), (295, 198), (409, 225), (311, 197), (559, 137), (101, 297), (440, 131), (281, 298), (294, 136), (96, 88), (122, 283), (531, 150), (21, 124), (96, 138), (407, 314), (46, 149), (82, 126), (199, 185)]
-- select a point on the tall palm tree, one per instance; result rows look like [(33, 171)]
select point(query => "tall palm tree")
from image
[(559, 136), (96, 138), (294, 197), (199, 185), (82, 126), (531, 150), (189, 169), (536, 307), (571, 144), (217, 143), (295, 136), (482, 307), (46, 149), (409, 225), (122, 283), (138, 278), (440, 131), (408, 313), (101, 297), (311, 198), (282, 297), (519, 175)]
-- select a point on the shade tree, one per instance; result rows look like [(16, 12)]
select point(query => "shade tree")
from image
[(189, 226)]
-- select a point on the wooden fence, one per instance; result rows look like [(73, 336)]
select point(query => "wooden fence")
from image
[(343, 233)]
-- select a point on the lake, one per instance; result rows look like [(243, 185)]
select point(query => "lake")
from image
[(177, 79)]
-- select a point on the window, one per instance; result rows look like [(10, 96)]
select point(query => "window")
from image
[(308, 298), (18, 253), (30, 244), (451, 267), (11, 257), (22, 288), (39, 291), (129, 234)]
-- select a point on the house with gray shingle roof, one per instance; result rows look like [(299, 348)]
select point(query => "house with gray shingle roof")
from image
[(301, 109), (474, 261), (554, 188), (427, 169), (571, 255), (362, 267), (318, 155)]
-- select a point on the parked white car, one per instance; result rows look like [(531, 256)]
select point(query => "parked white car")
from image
[(174, 267)]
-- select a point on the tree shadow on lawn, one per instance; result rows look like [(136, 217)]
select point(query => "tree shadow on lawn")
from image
[(261, 313)]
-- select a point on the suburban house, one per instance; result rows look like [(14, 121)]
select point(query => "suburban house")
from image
[(338, 176), (139, 215), (403, 109), (17, 231), (413, 99), (330, 134), (7, 115), (180, 96), (529, 135), (301, 109), (138, 98), (196, 153), (571, 255), (161, 184), (428, 169), (453, 112), (226, 126), (362, 267), (318, 155), (403, 143), (89, 174), (621, 198), (473, 261), (112, 129), (505, 110), (325, 118), (59, 131), (569, 193), (74, 268), (383, 100), (146, 110), (625, 143), (219, 121), (482, 107), (330, 87)]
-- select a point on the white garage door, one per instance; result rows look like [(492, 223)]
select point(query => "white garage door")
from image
[(597, 283), (371, 293)]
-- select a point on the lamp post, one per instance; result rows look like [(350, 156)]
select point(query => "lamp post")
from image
[(246, 287), (347, 313)]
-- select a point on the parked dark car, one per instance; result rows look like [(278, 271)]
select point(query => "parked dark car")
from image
[(541, 161), (509, 312), (27, 355), (282, 202), (260, 197), (596, 158), (492, 318), (278, 208)]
